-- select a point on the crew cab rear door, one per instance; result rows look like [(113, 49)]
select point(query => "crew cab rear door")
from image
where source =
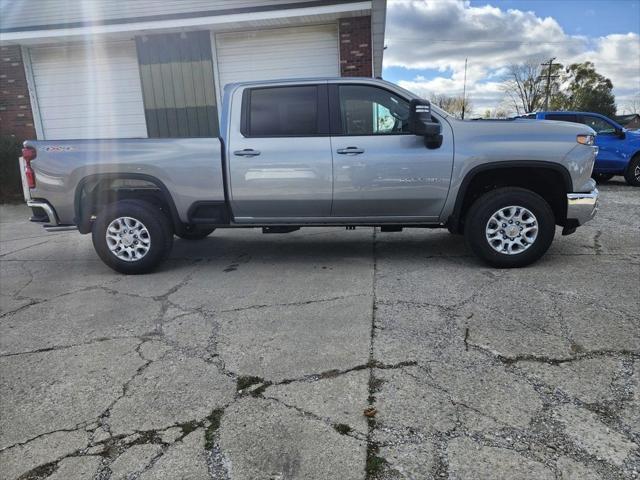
[(380, 169), (279, 153)]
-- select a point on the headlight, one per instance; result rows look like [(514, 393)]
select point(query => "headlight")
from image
[(585, 139)]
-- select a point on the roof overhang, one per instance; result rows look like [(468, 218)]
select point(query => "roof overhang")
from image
[(214, 21), (235, 19)]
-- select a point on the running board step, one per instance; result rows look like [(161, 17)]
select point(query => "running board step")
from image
[(279, 229)]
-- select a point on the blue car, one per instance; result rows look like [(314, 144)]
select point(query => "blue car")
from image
[(619, 148)]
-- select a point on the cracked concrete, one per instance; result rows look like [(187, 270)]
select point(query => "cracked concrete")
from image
[(170, 391), (253, 356), (264, 439), (470, 461)]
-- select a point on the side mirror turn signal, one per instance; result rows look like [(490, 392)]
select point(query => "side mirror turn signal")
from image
[(423, 124)]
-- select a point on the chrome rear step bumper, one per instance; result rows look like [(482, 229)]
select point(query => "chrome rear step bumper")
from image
[(54, 224)]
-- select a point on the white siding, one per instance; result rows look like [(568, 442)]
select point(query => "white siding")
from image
[(29, 13), (297, 52), (89, 91)]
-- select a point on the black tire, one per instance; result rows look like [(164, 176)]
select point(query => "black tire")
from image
[(602, 177), (196, 233), (159, 231), (477, 221), (632, 174)]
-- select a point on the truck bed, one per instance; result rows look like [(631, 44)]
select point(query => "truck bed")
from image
[(189, 168)]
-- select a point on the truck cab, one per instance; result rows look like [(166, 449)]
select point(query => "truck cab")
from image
[(618, 148)]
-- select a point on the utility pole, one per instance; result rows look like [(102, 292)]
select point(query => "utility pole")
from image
[(464, 89), (549, 66)]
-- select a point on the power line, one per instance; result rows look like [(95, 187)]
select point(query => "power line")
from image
[(467, 41)]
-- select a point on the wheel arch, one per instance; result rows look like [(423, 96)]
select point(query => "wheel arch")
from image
[(627, 171), (97, 190), (635, 155), (550, 180)]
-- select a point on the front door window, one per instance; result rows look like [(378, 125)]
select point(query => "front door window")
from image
[(601, 126), (369, 110)]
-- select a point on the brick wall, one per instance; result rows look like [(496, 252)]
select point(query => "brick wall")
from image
[(16, 117), (355, 47)]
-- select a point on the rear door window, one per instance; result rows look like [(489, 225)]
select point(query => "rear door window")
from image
[(281, 112)]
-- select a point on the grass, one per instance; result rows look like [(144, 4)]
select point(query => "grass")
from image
[(214, 424)]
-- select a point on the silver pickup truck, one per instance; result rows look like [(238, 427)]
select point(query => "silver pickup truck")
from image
[(320, 152)]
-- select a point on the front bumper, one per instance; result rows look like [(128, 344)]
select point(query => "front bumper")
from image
[(581, 207)]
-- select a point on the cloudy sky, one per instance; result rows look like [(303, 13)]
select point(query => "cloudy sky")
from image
[(428, 40)]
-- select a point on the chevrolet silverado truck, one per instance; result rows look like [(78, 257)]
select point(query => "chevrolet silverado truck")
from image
[(320, 152), (618, 148)]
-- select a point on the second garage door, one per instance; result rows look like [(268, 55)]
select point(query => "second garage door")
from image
[(297, 52)]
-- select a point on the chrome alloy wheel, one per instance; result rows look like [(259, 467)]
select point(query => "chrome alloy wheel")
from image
[(128, 239), (636, 172), (511, 230)]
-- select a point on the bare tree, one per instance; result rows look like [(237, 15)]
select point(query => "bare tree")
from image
[(632, 106), (498, 112), (525, 86), (453, 104)]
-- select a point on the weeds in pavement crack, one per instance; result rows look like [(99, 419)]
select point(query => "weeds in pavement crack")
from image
[(342, 428), (211, 431), (39, 472), (375, 464)]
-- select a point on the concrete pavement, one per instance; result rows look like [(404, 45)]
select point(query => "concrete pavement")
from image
[(250, 356)]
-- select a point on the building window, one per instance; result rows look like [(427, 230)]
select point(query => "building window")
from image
[(176, 71)]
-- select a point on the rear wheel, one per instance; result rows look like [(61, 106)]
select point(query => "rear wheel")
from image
[(196, 233), (602, 177), (132, 236), (632, 175), (509, 227)]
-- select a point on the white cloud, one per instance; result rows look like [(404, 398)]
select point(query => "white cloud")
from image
[(440, 34), (617, 56)]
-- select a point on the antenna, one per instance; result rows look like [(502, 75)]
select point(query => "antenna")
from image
[(464, 89)]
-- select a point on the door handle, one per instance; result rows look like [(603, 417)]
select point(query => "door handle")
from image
[(350, 151), (247, 152)]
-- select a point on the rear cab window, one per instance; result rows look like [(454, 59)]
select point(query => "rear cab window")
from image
[(284, 111), (562, 117)]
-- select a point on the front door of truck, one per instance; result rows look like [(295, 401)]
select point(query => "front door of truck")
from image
[(279, 153), (380, 169)]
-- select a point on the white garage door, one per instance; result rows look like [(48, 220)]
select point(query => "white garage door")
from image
[(296, 52), (89, 91)]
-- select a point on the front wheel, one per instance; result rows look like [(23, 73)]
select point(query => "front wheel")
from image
[(632, 175), (509, 227), (132, 236)]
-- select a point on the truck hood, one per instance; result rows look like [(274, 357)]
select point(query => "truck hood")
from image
[(521, 140), (521, 130)]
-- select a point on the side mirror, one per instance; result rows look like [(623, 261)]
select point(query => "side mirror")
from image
[(422, 123), (621, 134)]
